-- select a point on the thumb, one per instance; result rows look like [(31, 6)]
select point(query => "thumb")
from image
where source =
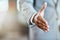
[(41, 11)]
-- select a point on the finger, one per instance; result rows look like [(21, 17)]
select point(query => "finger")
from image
[(41, 11), (48, 27), (39, 22), (43, 7), (42, 26), (39, 25), (43, 22), (44, 29), (42, 19)]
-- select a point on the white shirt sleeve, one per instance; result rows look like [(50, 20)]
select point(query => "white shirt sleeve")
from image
[(32, 19)]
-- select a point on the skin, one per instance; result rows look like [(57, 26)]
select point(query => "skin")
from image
[(40, 21)]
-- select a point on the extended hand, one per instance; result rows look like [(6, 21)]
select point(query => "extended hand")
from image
[(40, 21)]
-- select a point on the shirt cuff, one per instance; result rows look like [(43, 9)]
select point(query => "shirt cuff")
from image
[(32, 19)]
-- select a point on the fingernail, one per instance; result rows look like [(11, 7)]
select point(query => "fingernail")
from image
[(46, 31), (48, 26), (45, 3)]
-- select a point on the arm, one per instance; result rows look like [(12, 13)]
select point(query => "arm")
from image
[(28, 10), (38, 19)]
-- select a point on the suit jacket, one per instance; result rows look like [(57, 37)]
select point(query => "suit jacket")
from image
[(27, 10), (26, 7), (51, 14)]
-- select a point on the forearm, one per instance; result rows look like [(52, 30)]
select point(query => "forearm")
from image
[(28, 11)]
